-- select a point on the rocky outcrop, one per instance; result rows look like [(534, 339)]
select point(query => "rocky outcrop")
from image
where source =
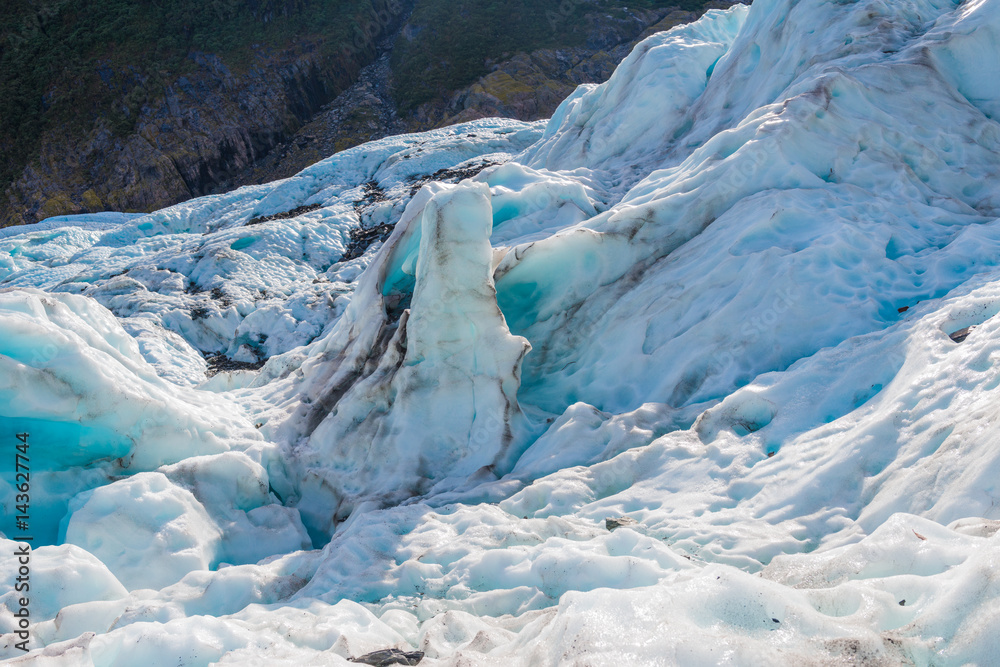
[(364, 112), (200, 135)]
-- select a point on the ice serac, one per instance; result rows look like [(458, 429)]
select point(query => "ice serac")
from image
[(462, 366), (435, 402)]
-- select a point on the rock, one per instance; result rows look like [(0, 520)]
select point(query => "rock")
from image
[(617, 522), (203, 134), (294, 213), (390, 656), (961, 334)]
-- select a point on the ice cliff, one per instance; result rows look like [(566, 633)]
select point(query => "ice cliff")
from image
[(700, 371)]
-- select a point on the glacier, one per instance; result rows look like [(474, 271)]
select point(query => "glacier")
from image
[(699, 371)]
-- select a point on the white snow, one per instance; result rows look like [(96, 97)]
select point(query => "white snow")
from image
[(149, 532), (716, 300)]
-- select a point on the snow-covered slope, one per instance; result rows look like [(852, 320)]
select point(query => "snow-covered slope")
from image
[(701, 371)]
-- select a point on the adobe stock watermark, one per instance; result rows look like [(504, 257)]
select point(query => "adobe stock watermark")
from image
[(740, 176), (41, 357), (22, 525), (490, 429), (760, 323)]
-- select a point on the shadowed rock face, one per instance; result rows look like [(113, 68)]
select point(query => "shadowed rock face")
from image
[(197, 137), (205, 128)]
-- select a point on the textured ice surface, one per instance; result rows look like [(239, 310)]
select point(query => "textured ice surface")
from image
[(716, 300)]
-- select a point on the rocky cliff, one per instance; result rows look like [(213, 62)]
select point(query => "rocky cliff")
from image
[(194, 134)]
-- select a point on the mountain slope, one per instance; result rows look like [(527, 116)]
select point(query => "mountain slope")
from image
[(160, 102), (700, 370)]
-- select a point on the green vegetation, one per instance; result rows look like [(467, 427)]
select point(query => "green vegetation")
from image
[(454, 40), (64, 63)]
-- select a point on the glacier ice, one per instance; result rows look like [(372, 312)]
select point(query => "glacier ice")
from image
[(149, 532), (391, 402)]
